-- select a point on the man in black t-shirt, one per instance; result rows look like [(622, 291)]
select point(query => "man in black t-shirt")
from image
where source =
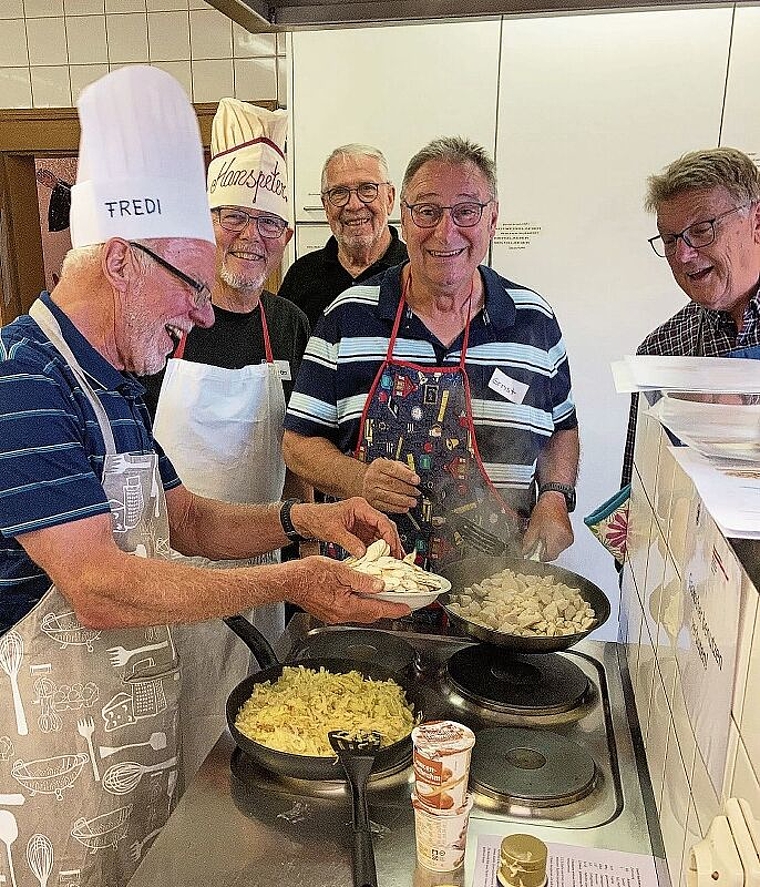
[(358, 198)]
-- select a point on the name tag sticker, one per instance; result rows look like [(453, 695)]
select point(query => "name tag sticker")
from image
[(283, 368), (507, 387)]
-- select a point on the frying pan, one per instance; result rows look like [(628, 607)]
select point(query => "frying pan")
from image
[(296, 766), (474, 569)]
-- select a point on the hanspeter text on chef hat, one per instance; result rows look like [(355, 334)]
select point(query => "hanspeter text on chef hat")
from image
[(248, 158), (141, 173)]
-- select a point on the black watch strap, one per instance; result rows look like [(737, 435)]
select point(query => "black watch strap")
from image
[(287, 524), (567, 491)]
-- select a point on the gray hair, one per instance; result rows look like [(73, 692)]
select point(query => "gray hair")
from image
[(355, 149), (726, 168), (457, 151), (87, 258)]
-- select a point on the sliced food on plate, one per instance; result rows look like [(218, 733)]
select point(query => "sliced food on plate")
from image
[(404, 581)]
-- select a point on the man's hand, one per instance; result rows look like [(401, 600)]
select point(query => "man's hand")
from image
[(549, 525), (351, 523), (390, 486), (334, 593)]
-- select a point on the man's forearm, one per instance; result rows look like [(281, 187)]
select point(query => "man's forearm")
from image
[(558, 461), (323, 465)]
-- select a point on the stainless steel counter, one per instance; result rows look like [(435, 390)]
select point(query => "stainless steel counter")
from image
[(226, 831)]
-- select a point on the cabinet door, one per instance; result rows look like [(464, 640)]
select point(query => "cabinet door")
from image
[(589, 107), (395, 88)]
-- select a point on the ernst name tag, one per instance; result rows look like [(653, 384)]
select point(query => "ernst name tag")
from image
[(513, 390), (283, 369)]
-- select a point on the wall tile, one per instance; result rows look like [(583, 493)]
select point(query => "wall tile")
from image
[(658, 733), (42, 8), (169, 36), (247, 45), (745, 782), (684, 733), (118, 6), (84, 75), (639, 529), (282, 82), (747, 631), (51, 87), (212, 80), (749, 723), (281, 43), (87, 40), (706, 802), (13, 51), (731, 755), (47, 41), (682, 503), (255, 79), (127, 38), (180, 71), (674, 811), (635, 622), (210, 35), (166, 5), (693, 836), (84, 7), (15, 88), (11, 9), (199, 4), (645, 675)]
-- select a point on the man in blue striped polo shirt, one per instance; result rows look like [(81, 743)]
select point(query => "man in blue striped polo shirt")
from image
[(372, 410)]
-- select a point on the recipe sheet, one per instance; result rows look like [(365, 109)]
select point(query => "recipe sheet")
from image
[(569, 866)]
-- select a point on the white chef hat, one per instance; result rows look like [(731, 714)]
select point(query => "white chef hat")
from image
[(248, 165), (141, 172)]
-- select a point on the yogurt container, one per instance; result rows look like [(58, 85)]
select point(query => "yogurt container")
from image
[(441, 761), (441, 836)]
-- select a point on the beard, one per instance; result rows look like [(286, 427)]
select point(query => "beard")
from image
[(245, 283)]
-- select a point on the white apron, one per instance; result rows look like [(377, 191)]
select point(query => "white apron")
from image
[(222, 429), (88, 720)]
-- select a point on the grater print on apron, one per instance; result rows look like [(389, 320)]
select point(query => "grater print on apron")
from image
[(89, 746)]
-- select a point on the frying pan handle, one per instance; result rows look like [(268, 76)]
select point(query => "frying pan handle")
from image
[(363, 860), (254, 640)]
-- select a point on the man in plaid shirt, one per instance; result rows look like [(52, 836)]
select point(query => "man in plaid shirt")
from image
[(708, 217)]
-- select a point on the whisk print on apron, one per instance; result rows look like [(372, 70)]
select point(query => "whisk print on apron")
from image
[(422, 415), (90, 754)]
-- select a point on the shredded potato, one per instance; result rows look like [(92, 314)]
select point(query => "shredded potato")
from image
[(296, 712)]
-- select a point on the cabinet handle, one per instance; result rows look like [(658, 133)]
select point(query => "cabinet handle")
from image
[(312, 208)]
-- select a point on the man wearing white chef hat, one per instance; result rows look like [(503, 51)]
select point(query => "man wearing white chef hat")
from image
[(223, 396), (84, 486)]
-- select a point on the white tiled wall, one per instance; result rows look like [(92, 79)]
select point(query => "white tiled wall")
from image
[(662, 510), (51, 49)]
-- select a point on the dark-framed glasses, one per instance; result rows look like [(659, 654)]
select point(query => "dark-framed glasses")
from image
[(463, 215), (697, 235), (366, 192), (201, 291), (236, 220)]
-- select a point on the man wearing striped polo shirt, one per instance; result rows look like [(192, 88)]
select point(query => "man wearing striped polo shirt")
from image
[(439, 388)]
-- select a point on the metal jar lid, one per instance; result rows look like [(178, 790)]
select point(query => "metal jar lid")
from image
[(522, 862)]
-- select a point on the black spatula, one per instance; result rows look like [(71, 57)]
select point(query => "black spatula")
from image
[(356, 752)]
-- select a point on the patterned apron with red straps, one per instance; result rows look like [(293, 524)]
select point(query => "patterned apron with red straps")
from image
[(422, 415)]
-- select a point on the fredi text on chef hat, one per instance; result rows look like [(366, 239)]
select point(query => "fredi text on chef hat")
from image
[(141, 173), (248, 165)]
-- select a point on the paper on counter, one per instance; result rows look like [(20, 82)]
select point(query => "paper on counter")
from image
[(646, 372), (569, 866)]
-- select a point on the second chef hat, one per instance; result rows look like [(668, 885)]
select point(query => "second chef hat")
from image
[(141, 173), (248, 165)]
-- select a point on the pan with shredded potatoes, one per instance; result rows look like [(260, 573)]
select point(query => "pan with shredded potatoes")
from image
[(295, 713)]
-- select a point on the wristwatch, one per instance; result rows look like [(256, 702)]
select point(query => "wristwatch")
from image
[(287, 524), (567, 491)]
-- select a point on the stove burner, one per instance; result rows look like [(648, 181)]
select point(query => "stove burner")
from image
[(535, 768), (363, 645), (537, 684)]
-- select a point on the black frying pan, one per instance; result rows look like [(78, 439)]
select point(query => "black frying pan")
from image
[(309, 766), (470, 570)]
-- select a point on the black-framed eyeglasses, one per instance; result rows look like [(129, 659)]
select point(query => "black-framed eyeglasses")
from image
[(696, 235), (463, 215), (366, 192), (202, 292), (236, 220)]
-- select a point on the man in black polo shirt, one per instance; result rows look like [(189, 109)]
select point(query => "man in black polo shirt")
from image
[(358, 198)]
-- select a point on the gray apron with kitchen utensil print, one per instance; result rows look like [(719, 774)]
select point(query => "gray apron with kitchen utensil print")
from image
[(222, 429), (88, 721)]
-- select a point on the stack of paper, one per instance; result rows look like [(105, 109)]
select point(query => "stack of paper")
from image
[(706, 374)]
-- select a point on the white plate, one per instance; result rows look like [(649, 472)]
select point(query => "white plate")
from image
[(413, 599)]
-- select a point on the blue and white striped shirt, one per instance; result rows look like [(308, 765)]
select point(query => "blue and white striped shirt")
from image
[(51, 448), (516, 332)]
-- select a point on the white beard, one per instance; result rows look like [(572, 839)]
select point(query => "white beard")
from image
[(242, 282)]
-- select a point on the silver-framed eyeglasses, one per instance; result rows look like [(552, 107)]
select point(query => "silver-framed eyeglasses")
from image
[(463, 215), (340, 195), (696, 235), (202, 292), (237, 220)]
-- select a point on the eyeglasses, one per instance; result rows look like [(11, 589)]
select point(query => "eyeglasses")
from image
[(202, 292), (237, 220), (463, 215), (696, 236), (366, 192)]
